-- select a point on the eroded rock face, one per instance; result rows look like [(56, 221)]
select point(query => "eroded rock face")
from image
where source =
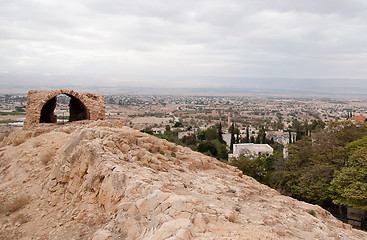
[(83, 106), (103, 180)]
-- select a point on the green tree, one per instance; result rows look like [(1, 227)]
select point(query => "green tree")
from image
[(279, 124), (347, 131), (349, 186), (256, 167), (299, 135), (261, 136), (247, 139), (296, 125), (232, 137), (208, 148), (211, 134), (168, 128), (313, 185), (147, 130), (330, 168), (190, 140), (290, 136), (211, 143), (178, 124), (222, 153), (317, 125), (309, 169), (20, 109), (220, 133)]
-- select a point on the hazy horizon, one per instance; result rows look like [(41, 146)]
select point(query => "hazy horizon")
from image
[(307, 46), (314, 88)]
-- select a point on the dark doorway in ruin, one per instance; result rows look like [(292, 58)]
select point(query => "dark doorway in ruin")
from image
[(77, 110)]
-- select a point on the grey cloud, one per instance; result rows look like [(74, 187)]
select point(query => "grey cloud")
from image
[(152, 38)]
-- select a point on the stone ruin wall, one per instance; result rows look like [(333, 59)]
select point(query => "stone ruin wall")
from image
[(36, 100)]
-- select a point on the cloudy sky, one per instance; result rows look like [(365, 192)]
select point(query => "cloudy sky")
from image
[(173, 43)]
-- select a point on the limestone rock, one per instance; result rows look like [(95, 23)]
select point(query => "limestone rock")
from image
[(107, 181)]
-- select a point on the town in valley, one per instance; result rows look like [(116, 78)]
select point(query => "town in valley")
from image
[(184, 115)]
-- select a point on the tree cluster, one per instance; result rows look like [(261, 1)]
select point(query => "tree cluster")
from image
[(209, 142), (212, 143), (328, 169)]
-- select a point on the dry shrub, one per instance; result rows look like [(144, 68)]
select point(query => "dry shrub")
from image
[(37, 144), (231, 217), (18, 141), (20, 218), (13, 205), (66, 130), (2, 203), (10, 234), (154, 149), (17, 203), (39, 131), (46, 155), (21, 138), (4, 135), (172, 147), (91, 219)]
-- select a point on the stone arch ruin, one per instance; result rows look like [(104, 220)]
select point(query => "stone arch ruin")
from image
[(82, 106)]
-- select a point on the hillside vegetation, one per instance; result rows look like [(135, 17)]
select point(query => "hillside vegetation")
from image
[(328, 168)]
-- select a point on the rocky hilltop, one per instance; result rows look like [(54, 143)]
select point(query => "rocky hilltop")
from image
[(102, 180)]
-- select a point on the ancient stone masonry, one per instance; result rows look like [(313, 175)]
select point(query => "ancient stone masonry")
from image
[(83, 106)]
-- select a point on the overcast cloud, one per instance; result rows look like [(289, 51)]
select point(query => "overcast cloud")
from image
[(161, 43)]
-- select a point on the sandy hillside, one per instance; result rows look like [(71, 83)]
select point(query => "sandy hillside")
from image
[(101, 180)]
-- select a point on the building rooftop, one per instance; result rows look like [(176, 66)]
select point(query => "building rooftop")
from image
[(250, 149), (255, 147), (359, 118)]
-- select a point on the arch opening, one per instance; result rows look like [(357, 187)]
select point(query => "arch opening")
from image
[(67, 108)]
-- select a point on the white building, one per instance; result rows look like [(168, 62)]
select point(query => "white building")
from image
[(280, 136), (227, 138), (185, 134), (251, 149), (158, 130)]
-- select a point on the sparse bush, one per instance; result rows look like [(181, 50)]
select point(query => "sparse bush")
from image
[(18, 141), (231, 217), (46, 156), (39, 131), (154, 149), (9, 205), (20, 218), (17, 203), (10, 234), (4, 135), (2, 204), (37, 144), (67, 130), (312, 212), (237, 209)]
